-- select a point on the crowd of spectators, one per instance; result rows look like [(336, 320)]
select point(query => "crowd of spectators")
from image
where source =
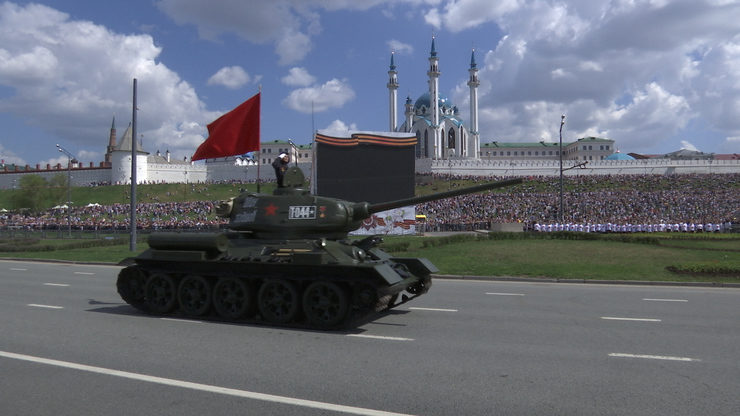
[(617, 200), (614, 199), (155, 216)]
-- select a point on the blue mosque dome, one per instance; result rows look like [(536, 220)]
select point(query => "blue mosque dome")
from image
[(619, 156), (425, 101)]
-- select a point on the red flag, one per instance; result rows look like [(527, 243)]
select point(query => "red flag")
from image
[(234, 133)]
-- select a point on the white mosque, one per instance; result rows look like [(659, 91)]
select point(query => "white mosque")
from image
[(440, 131)]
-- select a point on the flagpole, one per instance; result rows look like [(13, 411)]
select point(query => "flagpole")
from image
[(259, 151), (313, 152), (132, 242)]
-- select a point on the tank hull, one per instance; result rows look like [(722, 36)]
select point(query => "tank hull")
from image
[(315, 283)]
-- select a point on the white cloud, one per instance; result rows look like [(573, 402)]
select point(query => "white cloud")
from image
[(256, 21), (400, 47), (69, 77), (287, 24), (433, 18), (688, 146), (333, 94), (298, 77), (86, 156), (9, 157), (465, 14), (292, 47), (730, 145), (636, 72), (339, 128), (232, 77), (61, 160)]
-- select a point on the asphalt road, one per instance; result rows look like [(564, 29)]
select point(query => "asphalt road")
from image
[(69, 346)]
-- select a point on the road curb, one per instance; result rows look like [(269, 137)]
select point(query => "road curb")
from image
[(584, 281), (92, 263), (470, 277)]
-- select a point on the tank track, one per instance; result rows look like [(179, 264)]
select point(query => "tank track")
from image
[(328, 304)]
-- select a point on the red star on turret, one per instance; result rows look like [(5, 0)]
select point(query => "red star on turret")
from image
[(271, 209)]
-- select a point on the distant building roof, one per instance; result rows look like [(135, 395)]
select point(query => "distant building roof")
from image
[(126, 140), (495, 144), (688, 154), (286, 143)]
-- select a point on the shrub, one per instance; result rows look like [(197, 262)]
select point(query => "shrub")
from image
[(730, 269)]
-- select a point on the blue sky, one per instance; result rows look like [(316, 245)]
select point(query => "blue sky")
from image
[(653, 75)]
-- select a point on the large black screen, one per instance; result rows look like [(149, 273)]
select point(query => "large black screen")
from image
[(372, 167)]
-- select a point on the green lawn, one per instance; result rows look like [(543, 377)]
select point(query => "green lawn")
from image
[(514, 255), (566, 259)]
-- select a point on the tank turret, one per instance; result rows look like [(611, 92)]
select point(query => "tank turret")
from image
[(292, 212), (284, 260)]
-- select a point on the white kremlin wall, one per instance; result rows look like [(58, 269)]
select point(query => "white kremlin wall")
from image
[(80, 176), (168, 173), (225, 171)]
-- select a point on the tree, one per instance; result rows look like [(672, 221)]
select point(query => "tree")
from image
[(36, 193), (57, 189), (29, 192)]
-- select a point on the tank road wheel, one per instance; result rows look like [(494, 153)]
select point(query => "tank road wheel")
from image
[(194, 295), (392, 302), (232, 298), (130, 285), (161, 293), (278, 301), (325, 304)]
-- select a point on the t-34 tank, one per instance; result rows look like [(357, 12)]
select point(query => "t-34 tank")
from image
[(286, 259)]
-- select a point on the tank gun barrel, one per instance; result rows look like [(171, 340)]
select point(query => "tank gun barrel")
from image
[(383, 206)]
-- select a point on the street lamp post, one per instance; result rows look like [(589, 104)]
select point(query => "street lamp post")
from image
[(70, 158), (560, 211)]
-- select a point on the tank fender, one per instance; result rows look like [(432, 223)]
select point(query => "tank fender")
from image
[(418, 266), (387, 273), (128, 261)]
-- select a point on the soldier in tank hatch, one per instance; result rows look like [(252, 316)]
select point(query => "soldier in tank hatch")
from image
[(281, 165)]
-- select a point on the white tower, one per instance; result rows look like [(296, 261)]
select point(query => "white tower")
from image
[(392, 89), (433, 75), (474, 142), (409, 113)]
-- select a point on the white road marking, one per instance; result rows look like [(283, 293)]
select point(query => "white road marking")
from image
[(86, 273), (432, 309), (202, 387), (380, 337), (18, 270), (35, 305), (652, 357), (56, 284), (666, 300), (614, 318), (504, 294), (182, 320)]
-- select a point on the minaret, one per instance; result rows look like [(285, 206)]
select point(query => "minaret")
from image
[(392, 89), (473, 83), (111, 142), (433, 75), (409, 113)]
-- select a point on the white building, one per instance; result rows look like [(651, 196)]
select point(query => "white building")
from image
[(584, 149)]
